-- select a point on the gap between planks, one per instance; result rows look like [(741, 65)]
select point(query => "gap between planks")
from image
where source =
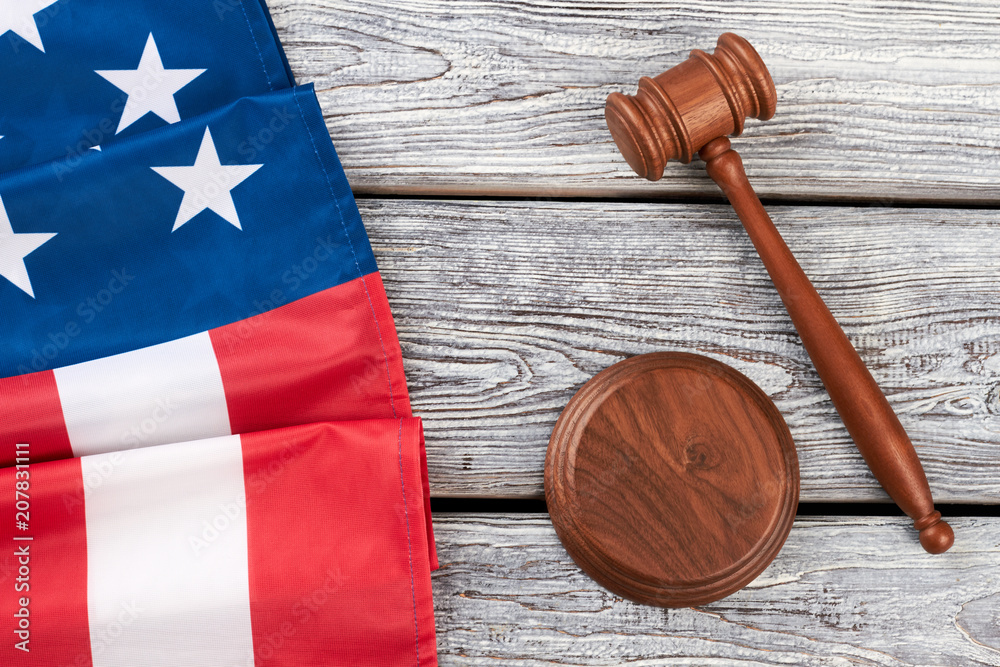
[(491, 505)]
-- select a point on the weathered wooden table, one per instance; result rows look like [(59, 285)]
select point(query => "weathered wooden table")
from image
[(522, 256)]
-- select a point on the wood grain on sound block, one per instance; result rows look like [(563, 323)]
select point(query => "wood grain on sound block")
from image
[(672, 479)]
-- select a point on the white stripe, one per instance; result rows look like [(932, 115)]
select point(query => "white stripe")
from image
[(167, 393), (167, 571)]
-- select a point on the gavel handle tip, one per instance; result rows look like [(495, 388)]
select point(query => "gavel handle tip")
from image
[(936, 536)]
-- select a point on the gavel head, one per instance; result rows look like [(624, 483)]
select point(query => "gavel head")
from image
[(676, 113)]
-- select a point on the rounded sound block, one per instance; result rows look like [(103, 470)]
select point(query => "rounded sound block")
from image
[(672, 479)]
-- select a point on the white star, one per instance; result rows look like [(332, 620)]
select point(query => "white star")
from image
[(150, 88), (207, 184), (18, 16), (13, 249)]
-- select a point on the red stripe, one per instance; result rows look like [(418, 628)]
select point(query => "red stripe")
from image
[(332, 356), (30, 411), (338, 556), (59, 632), (321, 358)]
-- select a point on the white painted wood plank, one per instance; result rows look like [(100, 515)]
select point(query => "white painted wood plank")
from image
[(876, 100), (843, 591), (505, 309)]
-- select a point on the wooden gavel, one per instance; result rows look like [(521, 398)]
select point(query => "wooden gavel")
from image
[(690, 109)]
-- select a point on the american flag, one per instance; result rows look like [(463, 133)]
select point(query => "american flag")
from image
[(209, 456)]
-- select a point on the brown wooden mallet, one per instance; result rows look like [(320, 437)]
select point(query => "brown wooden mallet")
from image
[(690, 109)]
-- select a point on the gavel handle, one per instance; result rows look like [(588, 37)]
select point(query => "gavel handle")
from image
[(863, 407)]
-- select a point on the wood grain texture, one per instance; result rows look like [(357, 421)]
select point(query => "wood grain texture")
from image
[(894, 99), (505, 309), (841, 592), (671, 479)]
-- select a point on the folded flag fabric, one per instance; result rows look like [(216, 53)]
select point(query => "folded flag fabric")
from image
[(170, 302), (316, 359), (182, 261), (176, 232), (82, 73), (297, 547), (228, 321)]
